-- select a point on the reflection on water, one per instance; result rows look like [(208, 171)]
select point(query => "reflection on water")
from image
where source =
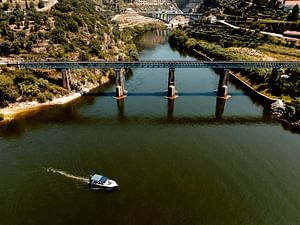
[(153, 39), (70, 114), (220, 106), (170, 108)]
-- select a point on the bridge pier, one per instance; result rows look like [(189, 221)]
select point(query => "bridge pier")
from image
[(171, 84), (120, 84), (275, 75), (66, 78), (222, 91)]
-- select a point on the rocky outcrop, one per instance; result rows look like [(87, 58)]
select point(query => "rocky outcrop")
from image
[(278, 108)]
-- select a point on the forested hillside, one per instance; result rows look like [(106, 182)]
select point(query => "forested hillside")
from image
[(71, 30), (74, 29)]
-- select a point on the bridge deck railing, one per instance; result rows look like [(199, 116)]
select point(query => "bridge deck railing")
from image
[(154, 64)]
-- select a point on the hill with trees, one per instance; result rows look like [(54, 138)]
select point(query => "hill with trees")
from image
[(71, 30)]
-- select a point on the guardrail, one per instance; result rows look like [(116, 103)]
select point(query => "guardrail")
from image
[(154, 64)]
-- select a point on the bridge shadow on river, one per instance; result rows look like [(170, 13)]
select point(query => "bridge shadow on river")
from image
[(162, 93), (70, 114)]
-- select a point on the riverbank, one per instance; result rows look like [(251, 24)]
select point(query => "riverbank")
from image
[(283, 85), (12, 111), (83, 82), (265, 98), (237, 77)]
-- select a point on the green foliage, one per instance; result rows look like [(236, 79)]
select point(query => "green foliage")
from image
[(95, 47), (8, 91), (83, 56), (28, 84), (294, 14), (5, 6), (31, 5), (57, 54), (58, 36), (260, 78), (41, 4), (43, 97)]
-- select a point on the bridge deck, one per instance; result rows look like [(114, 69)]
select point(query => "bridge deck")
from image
[(154, 64)]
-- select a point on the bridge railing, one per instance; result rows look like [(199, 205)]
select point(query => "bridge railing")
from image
[(154, 64)]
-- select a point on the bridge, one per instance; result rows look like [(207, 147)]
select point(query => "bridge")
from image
[(222, 92), (167, 16), (153, 64)]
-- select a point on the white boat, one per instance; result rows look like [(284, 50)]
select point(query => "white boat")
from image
[(99, 182)]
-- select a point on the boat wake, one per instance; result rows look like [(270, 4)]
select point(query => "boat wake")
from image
[(65, 174)]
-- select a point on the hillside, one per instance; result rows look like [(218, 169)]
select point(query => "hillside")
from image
[(70, 30), (73, 29)]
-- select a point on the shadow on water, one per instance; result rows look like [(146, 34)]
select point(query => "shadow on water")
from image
[(69, 114), (37, 118), (162, 93)]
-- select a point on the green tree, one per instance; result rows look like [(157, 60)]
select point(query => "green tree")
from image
[(5, 6), (41, 4), (58, 36), (31, 5), (294, 15)]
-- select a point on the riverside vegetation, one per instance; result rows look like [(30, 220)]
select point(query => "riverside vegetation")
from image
[(71, 30), (224, 43)]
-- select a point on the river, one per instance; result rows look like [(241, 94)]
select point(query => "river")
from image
[(192, 161)]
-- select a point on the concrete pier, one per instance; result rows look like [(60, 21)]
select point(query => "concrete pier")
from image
[(223, 82), (66, 78), (120, 84), (171, 84)]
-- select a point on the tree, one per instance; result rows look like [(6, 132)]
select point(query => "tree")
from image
[(31, 5), (41, 4), (26, 4), (5, 6), (58, 36), (294, 15)]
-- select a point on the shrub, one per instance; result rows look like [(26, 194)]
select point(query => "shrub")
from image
[(41, 4), (45, 96)]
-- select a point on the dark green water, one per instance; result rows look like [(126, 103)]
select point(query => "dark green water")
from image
[(178, 163)]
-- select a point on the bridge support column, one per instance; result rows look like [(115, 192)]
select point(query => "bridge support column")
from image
[(275, 75), (171, 84), (120, 84), (223, 82), (66, 78)]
